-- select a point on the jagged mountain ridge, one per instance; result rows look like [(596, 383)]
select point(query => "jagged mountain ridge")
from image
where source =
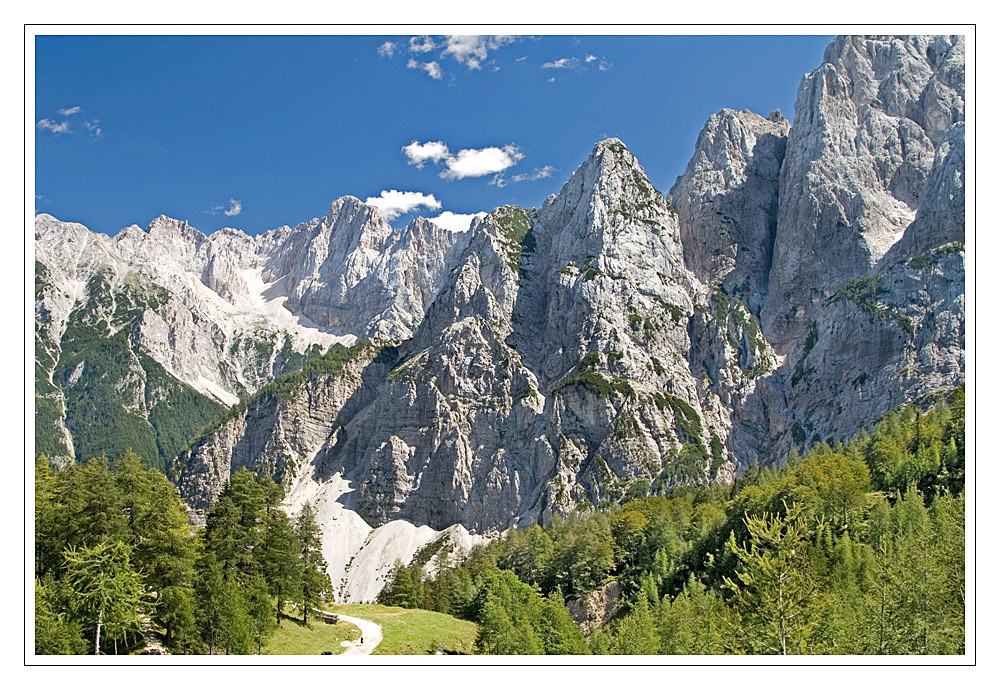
[(797, 283), (218, 316)]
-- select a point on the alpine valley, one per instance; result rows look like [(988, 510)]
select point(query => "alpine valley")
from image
[(798, 282)]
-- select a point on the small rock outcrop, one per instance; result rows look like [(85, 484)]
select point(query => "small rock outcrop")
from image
[(595, 610)]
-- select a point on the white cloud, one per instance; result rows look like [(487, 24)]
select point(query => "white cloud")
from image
[(472, 51), (590, 58), (551, 79), (562, 63), (234, 209), (433, 69), (456, 222), (521, 59), (63, 126), (604, 65), (387, 49), (480, 162), (54, 127), (417, 154), (422, 44), (468, 50), (392, 203), (467, 162)]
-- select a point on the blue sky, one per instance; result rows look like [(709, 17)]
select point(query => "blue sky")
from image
[(257, 132)]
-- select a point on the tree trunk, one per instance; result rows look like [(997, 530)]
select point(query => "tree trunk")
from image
[(97, 635)]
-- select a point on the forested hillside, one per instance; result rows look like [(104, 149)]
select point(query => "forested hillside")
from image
[(115, 555), (852, 549)]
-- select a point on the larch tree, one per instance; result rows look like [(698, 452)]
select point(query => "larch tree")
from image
[(106, 590)]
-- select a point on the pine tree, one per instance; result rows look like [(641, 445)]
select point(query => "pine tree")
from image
[(234, 527), (176, 612), (279, 560), (557, 631), (503, 632), (210, 589), (695, 622), (314, 581), (49, 520), (636, 633)]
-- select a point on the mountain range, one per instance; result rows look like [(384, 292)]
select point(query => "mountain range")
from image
[(798, 281)]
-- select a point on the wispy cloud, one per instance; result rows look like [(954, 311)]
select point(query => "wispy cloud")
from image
[(575, 63), (233, 208), (392, 203), (433, 69), (562, 63), (417, 154), (536, 174), (93, 126), (473, 52), (63, 126), (54, 127), (456, 222)]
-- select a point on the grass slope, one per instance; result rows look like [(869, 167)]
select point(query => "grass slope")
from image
[(295, 638), (414, 631)]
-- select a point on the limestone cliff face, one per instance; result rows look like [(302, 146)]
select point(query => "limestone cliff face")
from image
[(727, 202), (352, 273), (863, 275), (859, 156)]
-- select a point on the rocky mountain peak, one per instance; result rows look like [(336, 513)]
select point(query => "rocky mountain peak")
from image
[(171, 226), (727, 201), (858, 160), (921, 78)]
